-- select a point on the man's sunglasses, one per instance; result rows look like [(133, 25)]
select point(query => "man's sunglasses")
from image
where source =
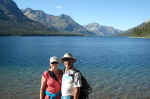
[(54, 63), (67, 59)]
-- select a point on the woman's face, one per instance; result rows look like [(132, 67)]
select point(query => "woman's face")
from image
[(54, 65)]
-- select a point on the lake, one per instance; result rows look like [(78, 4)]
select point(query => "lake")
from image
[(116, 68)]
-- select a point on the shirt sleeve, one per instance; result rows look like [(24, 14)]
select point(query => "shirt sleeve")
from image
[(77, 80), (45, 74)]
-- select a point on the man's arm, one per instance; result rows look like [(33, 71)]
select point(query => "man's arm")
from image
[(77, 85), (76, 92)]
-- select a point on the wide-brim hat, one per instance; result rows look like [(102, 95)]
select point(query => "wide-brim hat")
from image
[(68, 56), (53, 59)]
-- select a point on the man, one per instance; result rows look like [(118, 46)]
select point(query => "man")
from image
[(71, 80)]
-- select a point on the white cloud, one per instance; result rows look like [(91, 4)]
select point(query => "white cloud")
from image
[(59, 7)]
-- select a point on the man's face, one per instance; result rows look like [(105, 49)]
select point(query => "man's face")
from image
[(68, 63)]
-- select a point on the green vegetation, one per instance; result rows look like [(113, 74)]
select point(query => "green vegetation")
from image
[(142, 30)]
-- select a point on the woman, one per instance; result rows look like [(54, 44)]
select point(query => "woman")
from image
[(51, 81)]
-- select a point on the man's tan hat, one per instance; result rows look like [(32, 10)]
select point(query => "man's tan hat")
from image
[(68, 56)]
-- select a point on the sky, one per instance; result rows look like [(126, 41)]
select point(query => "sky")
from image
[(121, 14)]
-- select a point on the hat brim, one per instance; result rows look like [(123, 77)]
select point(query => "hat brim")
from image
[(64, 58), (54, 61)]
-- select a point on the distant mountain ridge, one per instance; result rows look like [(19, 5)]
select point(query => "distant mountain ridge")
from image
[(13, 21), (102, 30), (66, 23), (61, 23)]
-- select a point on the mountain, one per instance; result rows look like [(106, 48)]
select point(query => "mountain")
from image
[(142, 30), (10, 11), (101, 30), (14, 22), (38, 16), (61, 23)]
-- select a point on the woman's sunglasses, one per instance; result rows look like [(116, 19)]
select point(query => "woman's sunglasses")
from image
[(54, 63)]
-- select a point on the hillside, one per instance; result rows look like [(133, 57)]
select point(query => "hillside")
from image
[(142, 30)]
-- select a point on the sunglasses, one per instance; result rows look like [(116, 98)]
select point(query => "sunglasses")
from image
[(54, 63), (67, 59)]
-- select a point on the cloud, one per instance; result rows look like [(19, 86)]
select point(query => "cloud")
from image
[(59, 7)]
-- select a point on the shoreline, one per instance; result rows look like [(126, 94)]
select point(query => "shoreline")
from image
[(44, 35), (138, 37)]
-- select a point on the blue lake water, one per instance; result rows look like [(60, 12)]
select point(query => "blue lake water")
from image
[(116, 68)]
